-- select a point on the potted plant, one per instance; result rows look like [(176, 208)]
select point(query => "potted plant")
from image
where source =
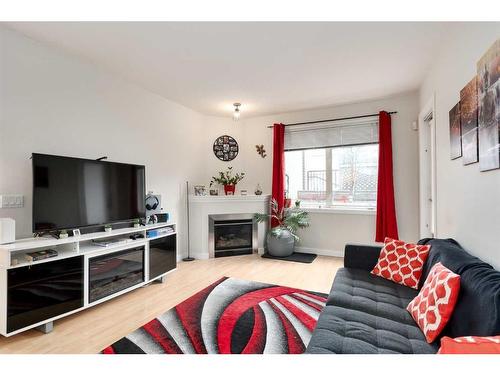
[(108, 228), (63, 233), (137, 223), (281, 239), (228, 180)]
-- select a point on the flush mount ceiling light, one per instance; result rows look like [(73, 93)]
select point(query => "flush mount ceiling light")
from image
[(236, 112)]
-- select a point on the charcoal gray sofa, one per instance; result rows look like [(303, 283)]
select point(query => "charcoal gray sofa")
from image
[(366, 314)]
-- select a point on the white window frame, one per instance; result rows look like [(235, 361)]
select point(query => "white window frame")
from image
[(329, 208)]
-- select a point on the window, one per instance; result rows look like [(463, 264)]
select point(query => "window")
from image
[(341, 173)]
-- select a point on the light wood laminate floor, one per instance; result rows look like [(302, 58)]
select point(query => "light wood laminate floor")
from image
[(91, 330)]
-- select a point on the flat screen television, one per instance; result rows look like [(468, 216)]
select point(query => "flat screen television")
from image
[(73, 193)]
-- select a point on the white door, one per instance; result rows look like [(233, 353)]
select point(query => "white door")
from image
[(427, 142)]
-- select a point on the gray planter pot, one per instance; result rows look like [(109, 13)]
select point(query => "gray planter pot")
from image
[(280, 247)]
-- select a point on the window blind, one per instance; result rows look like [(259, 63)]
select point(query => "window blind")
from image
[(334, 134)]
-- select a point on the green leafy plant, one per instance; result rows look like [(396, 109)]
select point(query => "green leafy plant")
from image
[(227, 178), (288, 219)]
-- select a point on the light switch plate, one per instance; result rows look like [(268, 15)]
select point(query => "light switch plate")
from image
[(11, 201)]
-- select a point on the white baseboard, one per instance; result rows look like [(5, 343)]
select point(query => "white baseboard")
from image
[(325, 252)]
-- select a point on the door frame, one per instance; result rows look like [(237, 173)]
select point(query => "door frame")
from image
[(427, 131)]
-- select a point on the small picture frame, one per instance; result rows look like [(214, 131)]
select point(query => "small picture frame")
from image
[(76, 233), (199, 190)]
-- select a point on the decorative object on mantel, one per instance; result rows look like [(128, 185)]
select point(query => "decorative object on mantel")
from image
[(226, 148), (488, 81), (261, 151), (468, 122), (214, 192), (281, 239), (199, 190), (63, 234), (108, 228), (455, 132), (258, 190), (227, 180), (244, 192)]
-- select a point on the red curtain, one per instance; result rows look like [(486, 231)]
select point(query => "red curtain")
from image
[(278, 192), (387, 225)]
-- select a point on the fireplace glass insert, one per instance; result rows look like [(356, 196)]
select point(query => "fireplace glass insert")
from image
[(233, 237), (111, 273)]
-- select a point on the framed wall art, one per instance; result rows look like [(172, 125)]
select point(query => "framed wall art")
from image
[(488, 71), (455, 132), (225, 148), (468, 122)]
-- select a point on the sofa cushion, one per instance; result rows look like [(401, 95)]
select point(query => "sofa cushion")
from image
[(470, 345), (367, 314), (401, 262), (477, 312), (434, 304)]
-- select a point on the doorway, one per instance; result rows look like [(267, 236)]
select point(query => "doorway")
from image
[(427, 171)]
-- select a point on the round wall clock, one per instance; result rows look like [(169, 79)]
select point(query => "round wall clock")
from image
[(226, 148)]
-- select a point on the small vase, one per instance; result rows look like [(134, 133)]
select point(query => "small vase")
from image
[(258, 190), (229, 189)]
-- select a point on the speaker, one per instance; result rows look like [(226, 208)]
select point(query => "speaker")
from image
[(7, 231)]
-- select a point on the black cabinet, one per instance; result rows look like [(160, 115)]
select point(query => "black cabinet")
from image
[(111, 273), (162, 255), (43, 291)]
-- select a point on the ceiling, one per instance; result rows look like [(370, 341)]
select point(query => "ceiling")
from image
[(268, 67)]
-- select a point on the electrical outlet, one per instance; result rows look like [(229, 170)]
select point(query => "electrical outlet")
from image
[(11, 201)]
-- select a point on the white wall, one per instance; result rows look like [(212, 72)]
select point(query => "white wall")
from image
[(468, 201), (53, 103), (329, 232)]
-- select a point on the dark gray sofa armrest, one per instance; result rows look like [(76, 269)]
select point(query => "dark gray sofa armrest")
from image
[(361, 256)]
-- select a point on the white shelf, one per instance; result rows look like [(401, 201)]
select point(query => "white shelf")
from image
[(89, 248), (229, 198), (22, 262), (71, 246)]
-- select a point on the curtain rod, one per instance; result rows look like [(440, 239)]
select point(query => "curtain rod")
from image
[(333, 119)]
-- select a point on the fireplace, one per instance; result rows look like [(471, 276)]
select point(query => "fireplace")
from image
[(232, 234)]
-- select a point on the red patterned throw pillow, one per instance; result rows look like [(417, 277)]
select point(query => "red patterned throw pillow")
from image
[(470, 345), (401, 262), (434, 304)]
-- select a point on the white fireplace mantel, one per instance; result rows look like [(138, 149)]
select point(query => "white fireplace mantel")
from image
[(200, 207)]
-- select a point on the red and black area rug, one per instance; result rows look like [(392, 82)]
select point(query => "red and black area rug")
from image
[(230, 316)]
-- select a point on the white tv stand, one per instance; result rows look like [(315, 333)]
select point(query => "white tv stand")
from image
[(69, 275)]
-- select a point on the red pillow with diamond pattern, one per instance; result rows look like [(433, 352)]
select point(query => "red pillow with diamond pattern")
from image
[(401, 262), (470, 345), (434, 304)]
